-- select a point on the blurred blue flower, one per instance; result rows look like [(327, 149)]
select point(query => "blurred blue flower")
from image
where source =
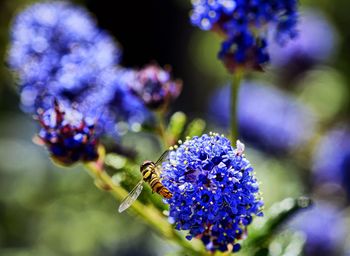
[(59, 53), (244, 25), (154, 86), (214, 191), (268, 117), (315, 43), (324, 227), (331, 161), (68, 135), (116, 108)]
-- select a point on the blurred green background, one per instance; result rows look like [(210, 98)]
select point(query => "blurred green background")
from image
[(49, 210)]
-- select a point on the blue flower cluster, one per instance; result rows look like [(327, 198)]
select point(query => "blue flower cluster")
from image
[(58, 52), (267, 117), (155, 86), (324, 227), (68, 136), (331, 161), (214, 191), (244, 24), (307, 49)]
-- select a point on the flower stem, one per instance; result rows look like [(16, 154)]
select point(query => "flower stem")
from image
[(235, 85), (148, 213), (161, 128)]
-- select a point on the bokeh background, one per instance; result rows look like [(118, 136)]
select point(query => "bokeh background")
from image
[(293, 117)]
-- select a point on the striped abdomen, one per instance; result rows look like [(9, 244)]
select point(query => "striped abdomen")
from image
[(149, 174)]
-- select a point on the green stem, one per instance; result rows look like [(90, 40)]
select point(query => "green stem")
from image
[(235, 85), (148, 213)]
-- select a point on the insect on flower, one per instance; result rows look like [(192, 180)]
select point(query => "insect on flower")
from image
[(151, 174), (215, 193)]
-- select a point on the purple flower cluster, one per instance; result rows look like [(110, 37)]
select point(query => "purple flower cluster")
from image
[(68, 136), (215, 193), (244, 24), (154, 86)]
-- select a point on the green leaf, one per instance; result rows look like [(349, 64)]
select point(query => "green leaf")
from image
[(195, 128), (116, 161), (287, 243), (176, 126)]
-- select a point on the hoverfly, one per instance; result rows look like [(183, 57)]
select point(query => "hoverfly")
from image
[(150, 174)]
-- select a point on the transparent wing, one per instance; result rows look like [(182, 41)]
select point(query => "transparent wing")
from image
[(133, 195), (162, 157), (158, 164)]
